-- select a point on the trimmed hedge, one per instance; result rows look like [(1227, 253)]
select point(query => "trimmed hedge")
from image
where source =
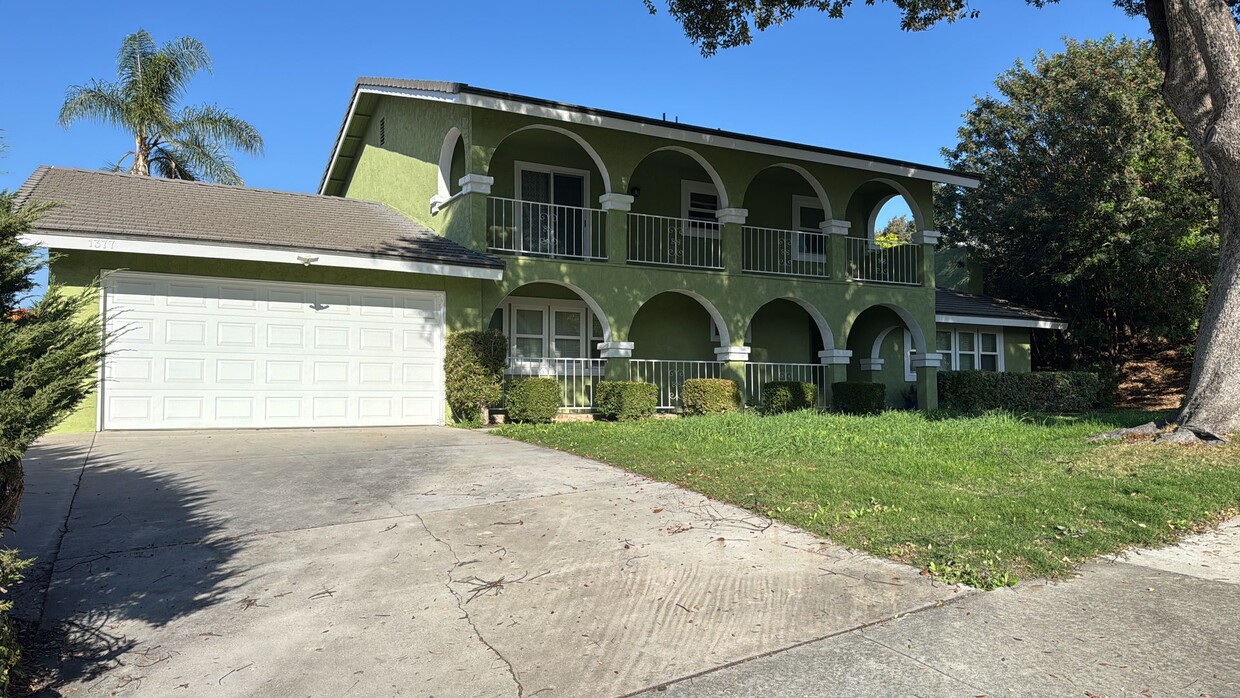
[(710, 396), (859, 398), (625, 401), (788, 396), (1044, 391), (534, 400), (473, 365)]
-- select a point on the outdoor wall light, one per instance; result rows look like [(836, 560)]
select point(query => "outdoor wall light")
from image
[(635, 192), (306, 260)]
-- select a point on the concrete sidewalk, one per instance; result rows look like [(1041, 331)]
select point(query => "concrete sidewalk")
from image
[(1152, 623)]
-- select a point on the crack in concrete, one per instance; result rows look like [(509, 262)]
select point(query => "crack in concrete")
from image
[(460, 604), (64, 531)]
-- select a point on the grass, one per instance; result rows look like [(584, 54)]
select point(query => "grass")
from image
[(983, 500)]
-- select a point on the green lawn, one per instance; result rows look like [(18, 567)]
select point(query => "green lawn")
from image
[(984, 500)]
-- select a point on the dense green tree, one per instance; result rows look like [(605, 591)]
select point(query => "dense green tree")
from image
[(169, 140), (899, 230), (1198, 50), (49, 349), (1092, 204)]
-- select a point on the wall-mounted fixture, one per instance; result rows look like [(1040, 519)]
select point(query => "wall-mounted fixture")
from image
[(635, 192), (306, 260)]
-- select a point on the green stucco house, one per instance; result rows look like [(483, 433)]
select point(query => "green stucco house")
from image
[(604, 245)]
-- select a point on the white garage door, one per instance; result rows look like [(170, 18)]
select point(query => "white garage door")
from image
[(199, 353)]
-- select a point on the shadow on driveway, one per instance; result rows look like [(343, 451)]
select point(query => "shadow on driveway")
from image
[(74, 605)]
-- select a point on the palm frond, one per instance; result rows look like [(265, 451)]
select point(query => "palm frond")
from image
[(209, 122), (98, 100), (167, 162), (207, 158)]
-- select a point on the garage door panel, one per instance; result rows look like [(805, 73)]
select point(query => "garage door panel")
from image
[(200, 353)]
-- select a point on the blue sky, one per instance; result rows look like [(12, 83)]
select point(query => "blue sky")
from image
[(858, 84)]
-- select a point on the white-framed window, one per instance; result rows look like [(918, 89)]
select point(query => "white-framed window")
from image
[(528, 333), (699, 204), (807, 217), (540, 328), (551, 218), (970, 348), (537, 182)]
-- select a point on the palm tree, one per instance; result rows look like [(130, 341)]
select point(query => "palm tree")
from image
[(169, 140)]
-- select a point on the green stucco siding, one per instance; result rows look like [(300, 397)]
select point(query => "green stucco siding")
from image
[(1017, 350)]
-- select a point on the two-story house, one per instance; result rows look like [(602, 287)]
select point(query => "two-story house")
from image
[(604, 245)]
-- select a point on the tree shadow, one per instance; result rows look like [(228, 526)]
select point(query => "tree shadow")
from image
[(141, 551)]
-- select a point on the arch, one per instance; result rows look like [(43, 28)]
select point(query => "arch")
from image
[(918, 217), (820, 320), (910, 323), (725, 337), (445, 163), (878, 341), (576, 138), (585, 297), (819, 192), (699, 159)]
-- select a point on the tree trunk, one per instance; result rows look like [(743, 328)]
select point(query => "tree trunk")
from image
[(141, 156), (1199, 49), (12, 485)]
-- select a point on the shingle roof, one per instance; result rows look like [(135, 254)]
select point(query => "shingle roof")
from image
[(124, 205), (948, 302)]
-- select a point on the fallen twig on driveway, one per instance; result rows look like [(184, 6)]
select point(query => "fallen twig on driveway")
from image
[(481, 587)]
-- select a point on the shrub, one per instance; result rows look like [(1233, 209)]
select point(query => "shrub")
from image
[(625, 401), (12, 568), (788, 396), (534, 400), (710, 396), (859, 398), (1048, 391), (473, 366)]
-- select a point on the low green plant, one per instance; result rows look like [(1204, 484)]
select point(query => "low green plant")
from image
[(1043, 391), (625, 401), (853, 397), (473, 365), (788, 396), (12, 568), (710, 396), (534, 400)]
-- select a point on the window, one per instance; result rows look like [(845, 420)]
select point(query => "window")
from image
[(551, 198), (807, 217), (540, 328), (970, 349), (568, 338), (988, 351), (529, 332), (699, 203)]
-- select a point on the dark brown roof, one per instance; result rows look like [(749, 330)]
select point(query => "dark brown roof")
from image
[(948, 302), (132, 206), (348, 138)]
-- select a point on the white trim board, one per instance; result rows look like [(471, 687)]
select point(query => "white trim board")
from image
[(669, 132), (1000, 322), (103, 243)]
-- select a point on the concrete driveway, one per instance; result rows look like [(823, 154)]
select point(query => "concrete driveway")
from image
[(425, 561)]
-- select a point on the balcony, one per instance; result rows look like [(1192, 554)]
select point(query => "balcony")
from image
[(900, 264), (546, 230), (785, 252), (674, 242)]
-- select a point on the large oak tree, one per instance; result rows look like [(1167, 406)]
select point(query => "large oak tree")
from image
[(1199, 52)]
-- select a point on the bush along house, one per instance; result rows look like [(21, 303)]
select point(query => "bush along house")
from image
[(605, 246)]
